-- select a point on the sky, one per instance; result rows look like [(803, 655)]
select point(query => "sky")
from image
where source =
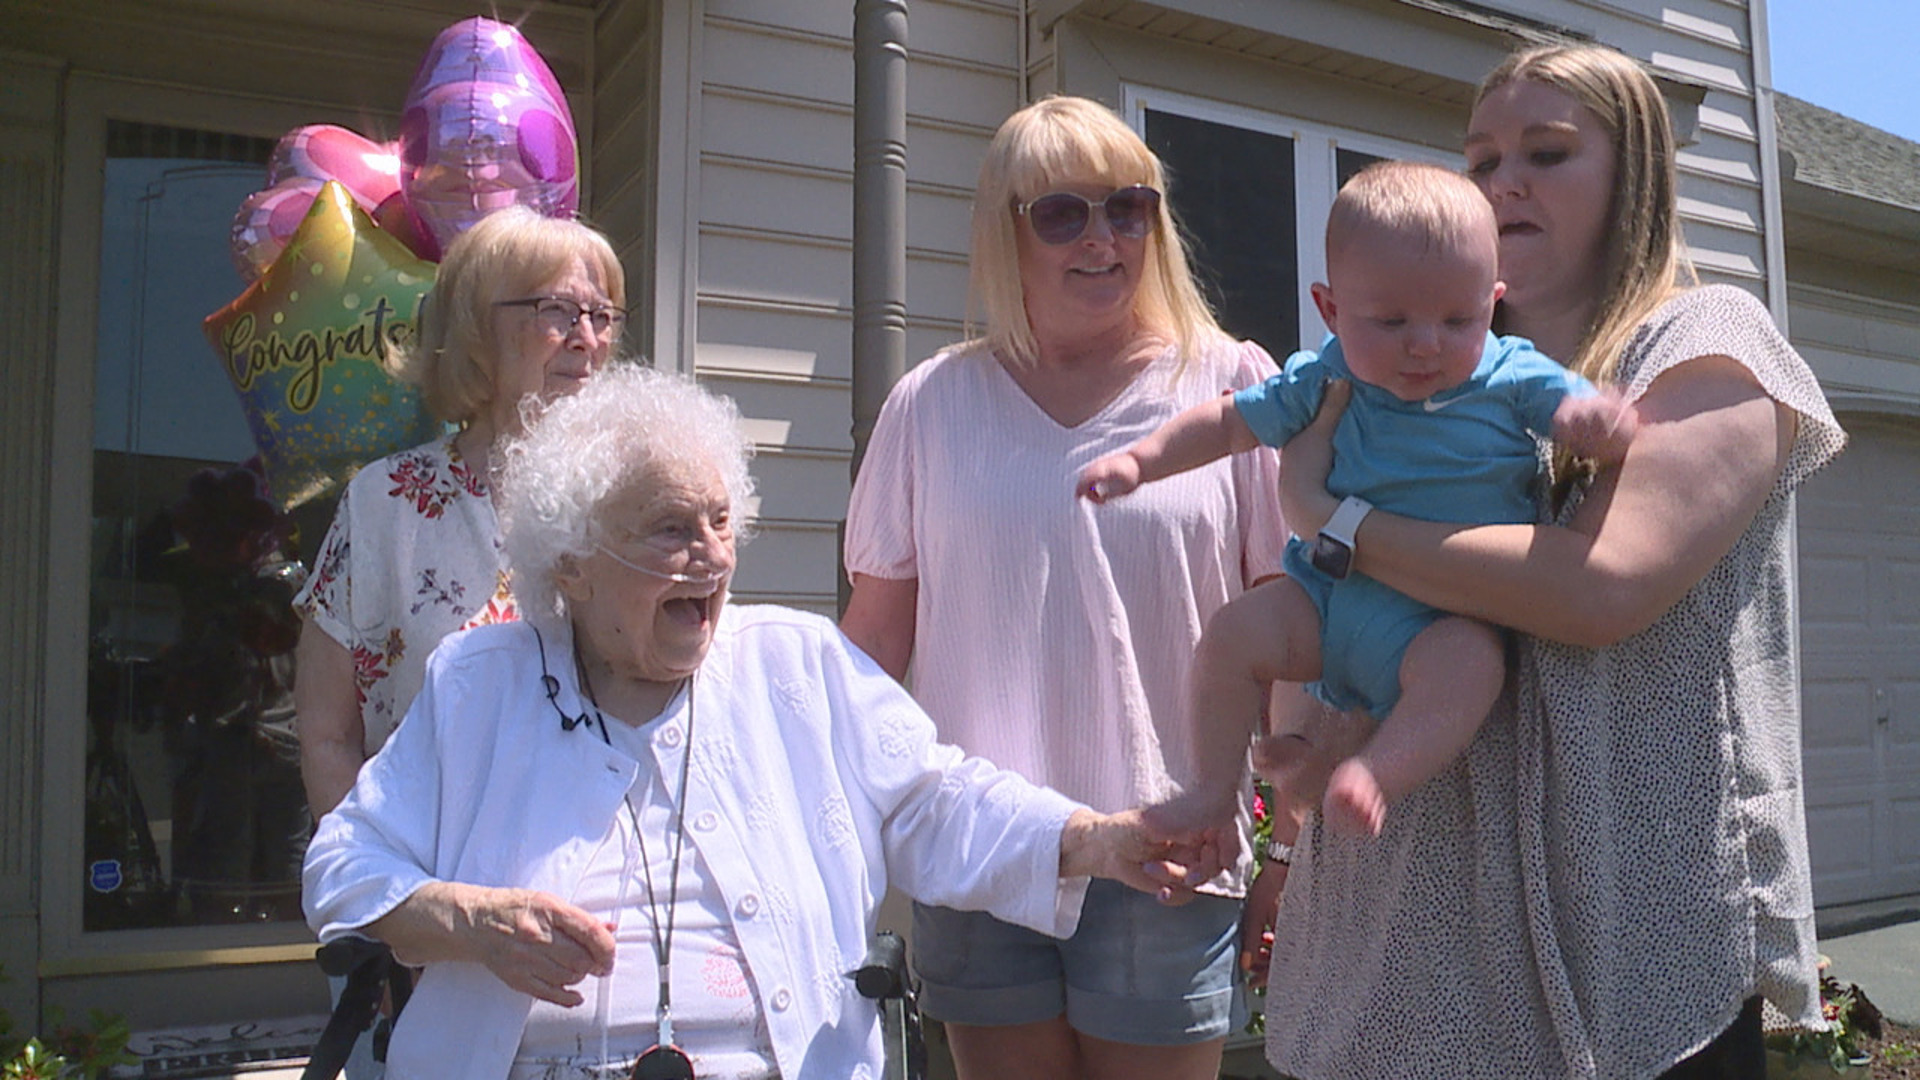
[(1856, 57)]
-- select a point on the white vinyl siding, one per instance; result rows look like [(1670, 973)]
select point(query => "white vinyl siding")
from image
[(774, 294), (1409, 79), (618, 153)]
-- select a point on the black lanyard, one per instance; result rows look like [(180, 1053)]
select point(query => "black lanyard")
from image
[(663, 1060)]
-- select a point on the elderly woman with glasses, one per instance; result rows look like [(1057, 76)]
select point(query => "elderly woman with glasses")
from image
[(524, 310), (1052, 640), (647, 831)]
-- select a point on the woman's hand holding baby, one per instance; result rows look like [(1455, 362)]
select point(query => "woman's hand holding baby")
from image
[(1306, 462)]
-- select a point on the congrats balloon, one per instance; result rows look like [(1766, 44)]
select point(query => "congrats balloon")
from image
[(305, 158), (303, 347), (485, 127)]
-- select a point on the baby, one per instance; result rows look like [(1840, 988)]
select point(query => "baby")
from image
[(1441, 428)]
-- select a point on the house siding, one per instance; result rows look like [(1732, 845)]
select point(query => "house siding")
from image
[(1343, 72), (771, 153), (774, 290), (718, 144), (1865, 350), (619, 146)]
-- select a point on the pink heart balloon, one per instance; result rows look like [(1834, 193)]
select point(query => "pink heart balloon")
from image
[(304, 159), (369, 171), (265, 221), (486, 126)]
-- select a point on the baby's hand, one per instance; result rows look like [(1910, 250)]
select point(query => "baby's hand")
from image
[(1597, 426), (1109, 477)]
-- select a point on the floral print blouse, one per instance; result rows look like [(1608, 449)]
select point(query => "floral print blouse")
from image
[(413, 555)]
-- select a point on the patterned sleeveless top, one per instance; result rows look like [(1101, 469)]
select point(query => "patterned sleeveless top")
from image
[(1620, 859)]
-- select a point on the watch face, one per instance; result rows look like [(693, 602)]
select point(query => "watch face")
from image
[(1331, 557)]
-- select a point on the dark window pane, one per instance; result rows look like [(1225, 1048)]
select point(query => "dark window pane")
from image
[(1347, 162), (194, 808), (1233, 191)]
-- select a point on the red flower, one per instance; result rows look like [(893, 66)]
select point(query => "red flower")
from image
[(415, 481)]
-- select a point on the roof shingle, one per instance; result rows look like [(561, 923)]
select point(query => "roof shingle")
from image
[(1839, 153)]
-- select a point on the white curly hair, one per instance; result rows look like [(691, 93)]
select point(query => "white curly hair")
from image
[(578, 451)]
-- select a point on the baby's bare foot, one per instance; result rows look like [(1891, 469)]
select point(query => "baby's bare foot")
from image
[(1355, 805), (1295, 767)]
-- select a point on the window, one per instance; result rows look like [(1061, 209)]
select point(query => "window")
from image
[(194, 810), (1233, 191), (1253, 190)]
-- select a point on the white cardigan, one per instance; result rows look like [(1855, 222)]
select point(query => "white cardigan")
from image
[(816, 783)]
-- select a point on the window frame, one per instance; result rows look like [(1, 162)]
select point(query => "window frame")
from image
[(1315, 170), (66, 947)]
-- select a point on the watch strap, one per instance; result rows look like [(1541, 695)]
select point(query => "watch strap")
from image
[(1346, 520)]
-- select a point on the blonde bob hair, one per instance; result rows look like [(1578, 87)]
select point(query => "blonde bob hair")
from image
[(507, 255), (1645, 262), (628, 424), (1051, 143)]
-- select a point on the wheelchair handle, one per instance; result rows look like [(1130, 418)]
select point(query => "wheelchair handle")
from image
[(883, 974)]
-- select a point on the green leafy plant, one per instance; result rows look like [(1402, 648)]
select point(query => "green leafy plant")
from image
[(1900, 1053), (71, 1053), (1838, 1046)]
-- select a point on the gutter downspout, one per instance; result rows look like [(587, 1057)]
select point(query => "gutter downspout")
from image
[(879, 210), (1773, 220), (1772, 190), (879, 219)]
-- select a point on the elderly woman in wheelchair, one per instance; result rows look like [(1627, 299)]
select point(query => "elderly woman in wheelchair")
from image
[(645, 833)]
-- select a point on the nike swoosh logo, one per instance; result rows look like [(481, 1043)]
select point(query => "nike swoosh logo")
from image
[(1435, 406)]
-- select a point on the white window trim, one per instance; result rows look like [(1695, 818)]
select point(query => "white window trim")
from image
[(1316, 175), (67, 949)]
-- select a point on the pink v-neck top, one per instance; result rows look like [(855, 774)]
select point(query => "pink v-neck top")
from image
[(1053, 636)]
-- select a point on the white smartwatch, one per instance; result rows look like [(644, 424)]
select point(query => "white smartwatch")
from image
[(1333, 548)]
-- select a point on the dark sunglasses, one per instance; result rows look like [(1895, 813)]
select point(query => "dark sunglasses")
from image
[(1060, 217)]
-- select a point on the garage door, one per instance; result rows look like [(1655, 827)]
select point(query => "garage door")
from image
[(1860, 647)]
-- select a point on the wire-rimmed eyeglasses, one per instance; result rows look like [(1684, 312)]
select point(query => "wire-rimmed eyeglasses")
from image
[(558, 315)]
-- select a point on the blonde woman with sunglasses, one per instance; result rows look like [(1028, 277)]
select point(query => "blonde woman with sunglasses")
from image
[(1049, 639)]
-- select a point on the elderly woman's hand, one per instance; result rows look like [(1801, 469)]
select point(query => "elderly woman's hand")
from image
[(1307, 460), (533, 941), (1125, 848)]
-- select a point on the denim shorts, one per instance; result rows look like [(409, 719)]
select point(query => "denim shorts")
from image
[(1136, 971)]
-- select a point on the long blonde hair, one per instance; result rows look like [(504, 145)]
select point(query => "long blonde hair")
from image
[(1063, 140), (1645, 261)]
